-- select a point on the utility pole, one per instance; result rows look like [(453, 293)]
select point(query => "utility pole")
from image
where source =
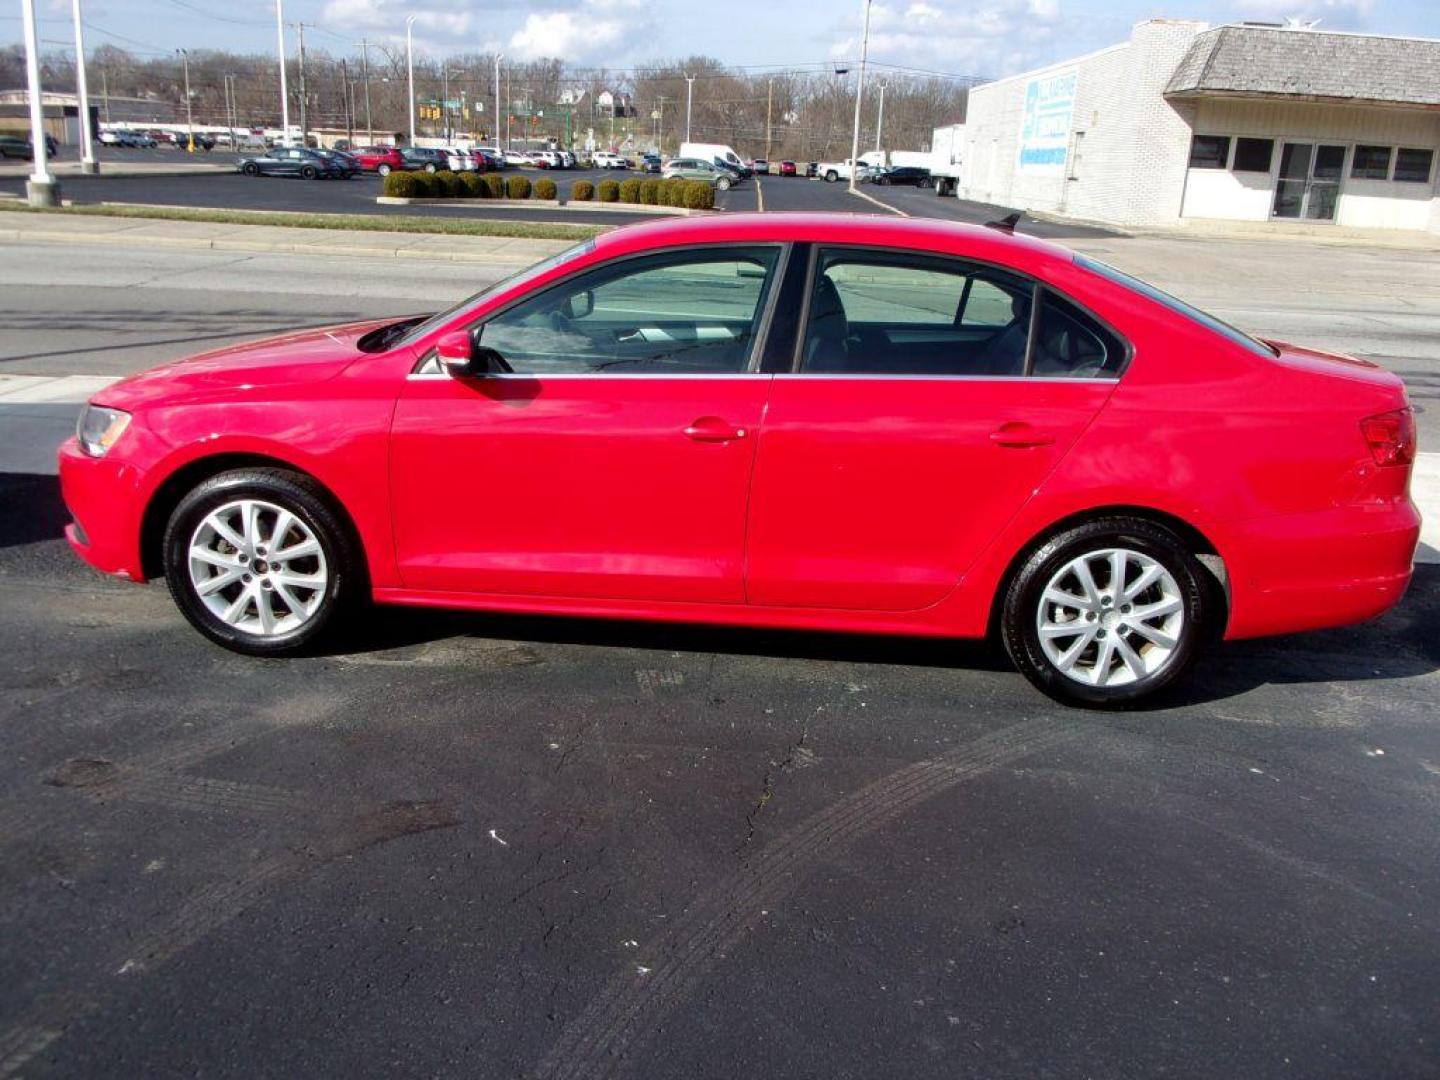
[(410, 71), (859, 95), (365, 68), (284, 93), (304, 126), (880, 118), (189, 117), (88, 164), (445, 100), (42, 189), (689, 90), (105, 91), (509, 105), (769, 99), (347, 95), (495, 135)]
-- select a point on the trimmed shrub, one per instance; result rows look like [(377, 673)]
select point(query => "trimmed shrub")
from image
[(400, 185), (474, 185), (447, 184), (675, 192), (494, 184), (609, 191), (650, 192), (699, 195), (545, 189), (630, 191), (426, 184), (582, 191), (517, 187)]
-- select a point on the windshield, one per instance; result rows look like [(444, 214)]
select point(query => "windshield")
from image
[(530, 273), (1160, 296)]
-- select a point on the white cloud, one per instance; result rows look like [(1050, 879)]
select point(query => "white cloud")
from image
[(595, 30), (993, 37), (1338, 14)]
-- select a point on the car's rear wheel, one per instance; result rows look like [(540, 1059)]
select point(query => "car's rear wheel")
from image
[(430, 168), (1106, 613), (251, 169), (260, 561), (723, 184)]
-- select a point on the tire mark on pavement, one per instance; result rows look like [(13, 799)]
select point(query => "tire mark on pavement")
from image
[(635, 1003)]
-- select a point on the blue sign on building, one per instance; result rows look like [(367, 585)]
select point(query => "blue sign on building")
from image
[(1045, 127)]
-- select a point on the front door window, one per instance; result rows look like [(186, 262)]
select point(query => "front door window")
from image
[(1309, 182)]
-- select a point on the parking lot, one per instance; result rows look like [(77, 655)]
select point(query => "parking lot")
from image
[(503, 846)]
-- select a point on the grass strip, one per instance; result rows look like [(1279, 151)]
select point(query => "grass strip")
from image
[(521, 230)]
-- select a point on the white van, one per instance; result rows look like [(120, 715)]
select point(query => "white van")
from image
[(717, 153)]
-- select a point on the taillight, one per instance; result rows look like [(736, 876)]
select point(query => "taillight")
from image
[(1391, 436)]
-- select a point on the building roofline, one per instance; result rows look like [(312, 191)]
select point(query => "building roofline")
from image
[(1316, 30)]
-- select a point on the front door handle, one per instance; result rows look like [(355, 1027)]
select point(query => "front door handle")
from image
[(1020, 435), (714, 429)]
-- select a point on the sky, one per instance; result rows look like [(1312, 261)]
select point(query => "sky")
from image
[(985, 38)]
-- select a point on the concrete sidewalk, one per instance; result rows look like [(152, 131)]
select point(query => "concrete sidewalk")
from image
[(93, 229)]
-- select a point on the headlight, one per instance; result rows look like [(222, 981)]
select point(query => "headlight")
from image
[(100, 428)]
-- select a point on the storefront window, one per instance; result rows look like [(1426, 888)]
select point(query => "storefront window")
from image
[(1414, 165), (1253, 155), (1209, 151), (1371, 163)]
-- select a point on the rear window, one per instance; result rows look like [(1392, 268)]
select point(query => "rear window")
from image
[(1194, 314)]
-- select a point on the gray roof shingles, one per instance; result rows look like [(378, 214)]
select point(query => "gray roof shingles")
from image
[(1307, 63)]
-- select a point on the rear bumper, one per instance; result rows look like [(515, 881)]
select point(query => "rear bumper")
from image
[(1309, 571), (103, 496)]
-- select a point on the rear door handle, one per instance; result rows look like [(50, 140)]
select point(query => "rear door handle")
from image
[(714, 429), (1019, 435)]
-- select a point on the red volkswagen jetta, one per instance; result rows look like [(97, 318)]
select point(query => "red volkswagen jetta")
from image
[(844, 423)]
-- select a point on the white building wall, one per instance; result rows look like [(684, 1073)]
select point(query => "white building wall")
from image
[(1128, 145), (1382, 204)]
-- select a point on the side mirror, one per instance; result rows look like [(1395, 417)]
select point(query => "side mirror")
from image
[(579, 305), (456, 351)]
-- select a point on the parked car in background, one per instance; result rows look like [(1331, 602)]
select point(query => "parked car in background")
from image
[(516, 158), (380, 159), (13, 146), (348, 163), (649, 163), (294, 161), (540, 159), (567, 159), (425, 159), (787, 168), (715, 154), (760, 167), (695, 169), (458, 159), (608, 159), (831, 171), (130, 139), (812, 169), (902, 174), (1013, 424), (492, 157)]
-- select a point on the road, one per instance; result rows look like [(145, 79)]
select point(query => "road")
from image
[(495, 846)]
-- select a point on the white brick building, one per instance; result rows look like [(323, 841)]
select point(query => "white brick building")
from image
[(1252, 123)]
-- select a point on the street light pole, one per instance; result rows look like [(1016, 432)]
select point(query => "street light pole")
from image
[(445, 99), (284, 92), (880, 117), (769, 99), (495, 135), (304, 127), (859, 95), (365, 65), (689, 91), (189, 116), (42, 189), (410, 71), (88, 164)]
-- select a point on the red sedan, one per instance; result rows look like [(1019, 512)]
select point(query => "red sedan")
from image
[(832, 422)]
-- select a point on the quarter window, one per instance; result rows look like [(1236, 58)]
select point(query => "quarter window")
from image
[(1209, 151), (1069, 343), (1413, 165), (1371, 163), (677, 313), (1253, 155)]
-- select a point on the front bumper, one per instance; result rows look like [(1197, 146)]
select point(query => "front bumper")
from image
[(1334, 567), (105, 501)]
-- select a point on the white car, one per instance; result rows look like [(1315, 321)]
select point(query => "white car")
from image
[(608, 159), (567, 159), (515, 157), (460, 160)]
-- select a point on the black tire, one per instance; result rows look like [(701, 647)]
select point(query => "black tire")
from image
[(251, 169), (344, 590), (1023, 606), (430, 168), (723, 184), (308, 172), (383, 170), (831, 176)]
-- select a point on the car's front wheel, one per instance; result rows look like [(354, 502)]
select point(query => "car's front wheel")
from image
[(383, 170), (251, 169), (260, 561), (1106, 613), (831, 176), (308, 172), (723, 184)]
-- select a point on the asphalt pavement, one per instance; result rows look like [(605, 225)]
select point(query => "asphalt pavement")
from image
[(490, 846)]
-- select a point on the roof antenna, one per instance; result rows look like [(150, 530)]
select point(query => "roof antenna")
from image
[(1006, 224)]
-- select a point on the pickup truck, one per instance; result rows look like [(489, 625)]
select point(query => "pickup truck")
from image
[(840, 170)]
